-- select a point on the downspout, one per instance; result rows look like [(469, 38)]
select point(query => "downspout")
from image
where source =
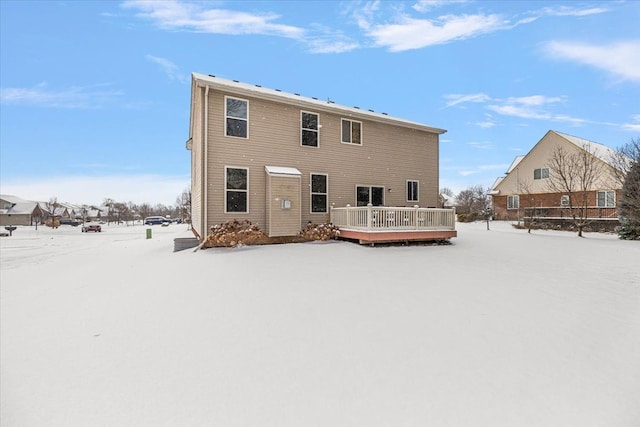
[(205, 158)]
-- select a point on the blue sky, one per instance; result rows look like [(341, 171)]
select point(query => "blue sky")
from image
[(95, 95)]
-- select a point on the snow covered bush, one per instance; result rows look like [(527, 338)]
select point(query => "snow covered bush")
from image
[(234, 233), (325, 231)]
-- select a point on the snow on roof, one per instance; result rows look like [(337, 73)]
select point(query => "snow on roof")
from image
[(515, 163), (604, 153), (260, 92), (279, 170)]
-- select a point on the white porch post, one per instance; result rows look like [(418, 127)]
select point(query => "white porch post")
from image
[(369, 215)]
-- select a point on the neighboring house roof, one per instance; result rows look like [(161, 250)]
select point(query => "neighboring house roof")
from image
[(19, 206), (600, 151), (291, 98), (515, 163), (604, 153), (447, 200)]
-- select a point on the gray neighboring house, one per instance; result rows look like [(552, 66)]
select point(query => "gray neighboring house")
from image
[(17, 211), (281, 160)]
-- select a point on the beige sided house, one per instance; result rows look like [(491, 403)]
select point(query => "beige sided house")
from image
[(524, 190), (281, 160)]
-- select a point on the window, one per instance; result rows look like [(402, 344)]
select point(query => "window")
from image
[(351, 132), (236, 189), (564, 200), (412, 191), (319, 192), (542, 173), (309, 124), (236, 113), (369, 194), (513, 202), (606, 199)]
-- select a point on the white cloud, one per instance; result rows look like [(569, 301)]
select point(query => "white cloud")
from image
[(409, 33), (174, 15), (620, 59), (94, 189), (481, 145), (426, 5), (572, 11), (455, 99), (634, 127), (80, 97), (170, 69)]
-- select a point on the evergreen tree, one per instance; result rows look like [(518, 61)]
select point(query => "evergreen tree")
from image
[(629, 206)]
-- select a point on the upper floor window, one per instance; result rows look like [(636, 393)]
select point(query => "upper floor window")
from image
[(351, 132), (309, 125), (236, 189), (236, 112), (606, 199), (412, 191), (319, 193), (542, 173), (564, 200), (513, 202)]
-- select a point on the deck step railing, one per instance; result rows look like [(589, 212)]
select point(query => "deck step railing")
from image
[(382, 218)]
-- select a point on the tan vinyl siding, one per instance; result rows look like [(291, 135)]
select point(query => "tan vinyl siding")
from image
[(388, 156), (283, 222)]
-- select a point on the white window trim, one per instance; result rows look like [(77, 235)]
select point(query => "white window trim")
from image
[(564, 200), (317, 131), (342, 119), (605, 198), (513, 197), (235, 118), (384, 195), (406, 190), (226, 189), (311, 193)]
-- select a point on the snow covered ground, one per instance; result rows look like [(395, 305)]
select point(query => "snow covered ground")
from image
[(501, 328)]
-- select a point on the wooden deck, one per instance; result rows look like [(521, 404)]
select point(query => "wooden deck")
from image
[(371, 237), (370, 225)]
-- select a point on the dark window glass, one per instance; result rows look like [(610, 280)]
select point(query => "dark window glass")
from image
[(236, 127), (309, 138), (377, 196), (318, 184), (236, 108), (412, 191), (355, 133), (346, 131), (363, 196), (318, 203), (236, 201), (236, 179), (309, 121)]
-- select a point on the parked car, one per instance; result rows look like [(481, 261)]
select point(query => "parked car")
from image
[(69, 221), (152, 220), (92, 227)]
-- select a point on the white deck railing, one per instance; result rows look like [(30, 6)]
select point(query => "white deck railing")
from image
[(380, 218)]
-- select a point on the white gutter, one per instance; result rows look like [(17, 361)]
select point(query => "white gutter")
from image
[(205, 158)]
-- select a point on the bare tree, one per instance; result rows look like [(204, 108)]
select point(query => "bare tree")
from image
[(474, 203), (531, 204), (53, 209), (183, 204), (574, 173), (623, 159)]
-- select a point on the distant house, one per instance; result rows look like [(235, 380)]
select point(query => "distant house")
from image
[(17, 211), (525, 191), (281, 160)]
